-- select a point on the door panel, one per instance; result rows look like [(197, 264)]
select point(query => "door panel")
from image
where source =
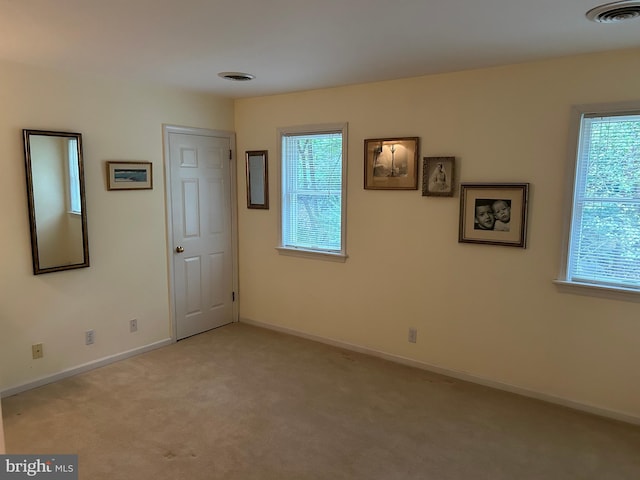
[(192, 276), (191, 207), (216, 271), (201, 218)]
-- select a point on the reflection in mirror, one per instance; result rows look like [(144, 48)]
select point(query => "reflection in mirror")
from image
[(257, 179), (55, 192)]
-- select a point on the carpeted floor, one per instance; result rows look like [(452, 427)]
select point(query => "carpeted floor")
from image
[(241, 402)]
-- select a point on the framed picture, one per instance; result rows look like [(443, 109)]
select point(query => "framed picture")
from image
[(391, 163), (129, 176), (438, 176), (257, 179), (494, 213)]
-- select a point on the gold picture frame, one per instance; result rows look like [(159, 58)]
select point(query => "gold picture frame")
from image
[(391, 163), (257, 170)]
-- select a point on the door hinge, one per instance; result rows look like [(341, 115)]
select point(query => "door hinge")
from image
[(233, 296)]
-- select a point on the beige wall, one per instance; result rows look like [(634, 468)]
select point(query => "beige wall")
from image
[(127, 238), (487, 311)]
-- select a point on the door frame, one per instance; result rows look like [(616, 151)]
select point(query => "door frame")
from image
[(203, 132)]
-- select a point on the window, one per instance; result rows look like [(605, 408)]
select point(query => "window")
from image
[(313, 191), (603, 247), (75, 205)]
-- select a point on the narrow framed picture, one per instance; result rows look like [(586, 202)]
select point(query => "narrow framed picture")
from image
[(438, 176), (494, 213), (129, 176), (391, 163)]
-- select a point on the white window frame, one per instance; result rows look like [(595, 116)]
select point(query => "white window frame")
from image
[(564, 283), (340, 256)]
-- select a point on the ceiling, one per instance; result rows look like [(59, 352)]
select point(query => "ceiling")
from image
[(294, 45)]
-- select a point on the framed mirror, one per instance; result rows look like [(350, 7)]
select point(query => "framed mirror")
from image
[(55, 194), (257, 179)]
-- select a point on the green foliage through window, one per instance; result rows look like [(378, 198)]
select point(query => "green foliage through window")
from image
[(312, 186), (605, 230)]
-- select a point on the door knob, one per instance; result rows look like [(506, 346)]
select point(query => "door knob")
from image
[(179, 249)]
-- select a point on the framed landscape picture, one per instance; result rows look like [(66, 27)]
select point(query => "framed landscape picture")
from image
[(129, 176), (391, 163), (494, 213)]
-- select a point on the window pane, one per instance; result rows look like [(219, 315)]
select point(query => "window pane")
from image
[(613, 160), (312, 191), (605, 231), (318, 221), (75, 206), (608, 247)]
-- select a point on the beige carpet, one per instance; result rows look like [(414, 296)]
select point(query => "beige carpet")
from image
[(242, 402)]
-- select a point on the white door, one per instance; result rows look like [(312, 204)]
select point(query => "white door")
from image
[(201, 206)]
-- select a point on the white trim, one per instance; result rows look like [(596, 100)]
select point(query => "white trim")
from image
[(316, 254), (84, 368), (601, 291), (570, 178), (204, 132), (592, 409), (168, 201)]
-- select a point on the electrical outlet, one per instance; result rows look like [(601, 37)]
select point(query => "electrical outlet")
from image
[(36, 350), (413, 334), (89, 337), (133, 325)]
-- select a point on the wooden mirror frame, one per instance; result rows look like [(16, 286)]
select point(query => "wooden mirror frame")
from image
[(257, 179), (82, 243)]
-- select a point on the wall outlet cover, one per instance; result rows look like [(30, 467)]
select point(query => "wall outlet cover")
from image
[(413, 335), (37, 351)]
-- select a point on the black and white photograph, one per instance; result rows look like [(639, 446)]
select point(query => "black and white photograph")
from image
[(495, 214), (438, 176), (391, 163), (492, 214)]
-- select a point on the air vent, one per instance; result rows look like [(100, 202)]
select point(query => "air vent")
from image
[(236, 76), (615, 12)]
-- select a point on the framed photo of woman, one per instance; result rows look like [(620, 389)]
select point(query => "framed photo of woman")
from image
[(438, 176)]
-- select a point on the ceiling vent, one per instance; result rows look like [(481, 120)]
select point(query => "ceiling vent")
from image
[(236, 76), (615, 12)]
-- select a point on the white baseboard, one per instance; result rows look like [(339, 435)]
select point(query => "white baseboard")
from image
[(602, 412), (83, 368)]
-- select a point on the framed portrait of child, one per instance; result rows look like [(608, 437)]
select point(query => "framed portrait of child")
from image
[(494, 213)]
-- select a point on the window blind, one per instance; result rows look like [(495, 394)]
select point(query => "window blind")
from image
[(312, 191), (605, 229)]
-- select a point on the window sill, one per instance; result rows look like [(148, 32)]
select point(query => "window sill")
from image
[(589, 290), (314, 254)]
